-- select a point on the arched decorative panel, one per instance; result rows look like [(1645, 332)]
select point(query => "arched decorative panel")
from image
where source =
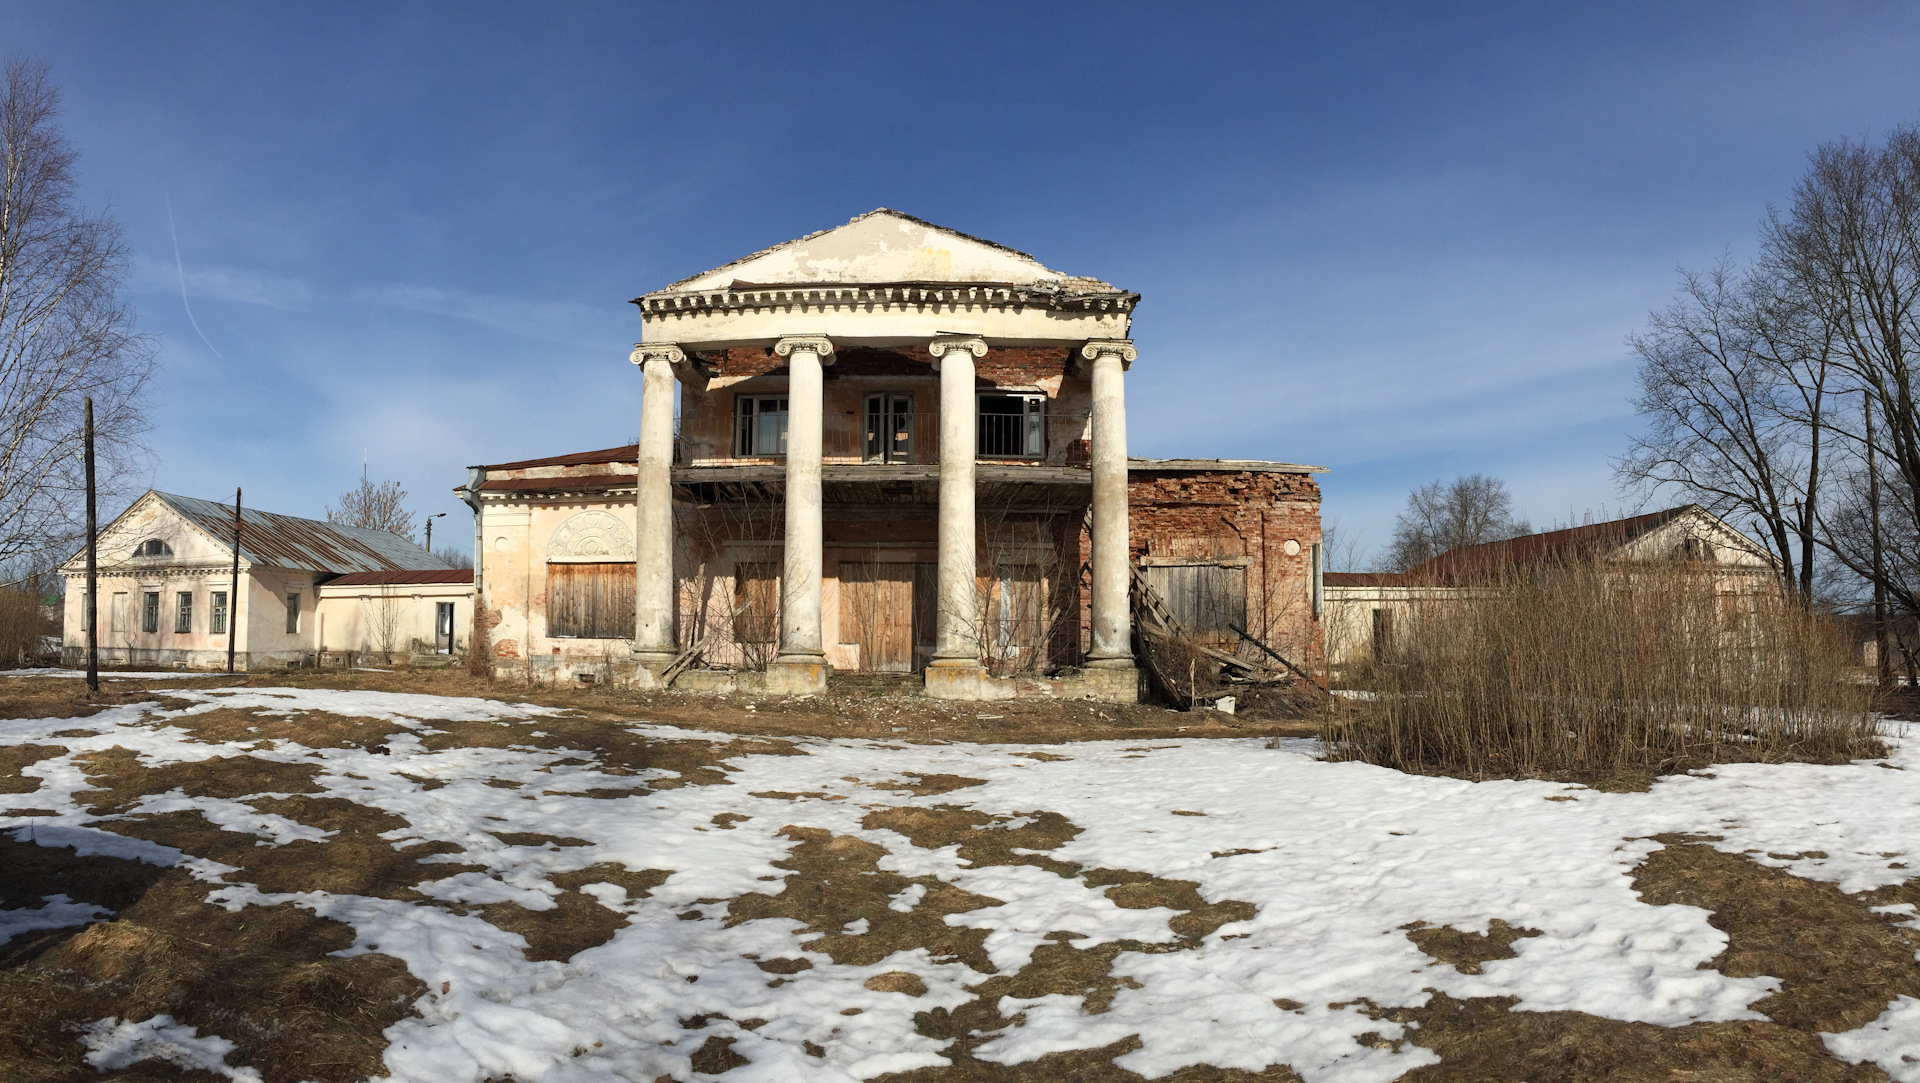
[(590, 537)]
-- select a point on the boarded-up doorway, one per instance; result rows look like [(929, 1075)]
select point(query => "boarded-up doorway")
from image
[(877, 612)]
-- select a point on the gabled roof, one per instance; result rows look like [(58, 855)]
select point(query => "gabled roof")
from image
[(1471, 561), (885, 246), (272, 540)]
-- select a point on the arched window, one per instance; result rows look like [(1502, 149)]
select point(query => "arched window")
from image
[(153, 547)]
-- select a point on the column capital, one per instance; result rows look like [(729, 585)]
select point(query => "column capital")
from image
[(946, 344), (1111, 347), (665, 351), (820, 345)]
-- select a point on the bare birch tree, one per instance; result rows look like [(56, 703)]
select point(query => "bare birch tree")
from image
[(64, 332)]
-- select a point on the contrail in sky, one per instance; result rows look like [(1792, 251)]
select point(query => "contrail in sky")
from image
[(182, 271)]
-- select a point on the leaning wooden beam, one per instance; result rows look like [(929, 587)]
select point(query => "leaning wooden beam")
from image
[(1276, 656)]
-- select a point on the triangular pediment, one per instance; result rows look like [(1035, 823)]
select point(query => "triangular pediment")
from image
[(881, 247)]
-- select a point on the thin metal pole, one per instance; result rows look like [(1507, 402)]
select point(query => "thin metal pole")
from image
[(93, 568), (1883, 665), (233, 586), (429, 533)]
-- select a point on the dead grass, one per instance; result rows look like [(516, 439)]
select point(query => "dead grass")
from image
[(1592, 673), (260, 977), (1839, 966), (1464, 950)]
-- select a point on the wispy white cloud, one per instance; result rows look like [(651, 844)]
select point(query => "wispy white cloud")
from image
[(571, 322), (238, 285)]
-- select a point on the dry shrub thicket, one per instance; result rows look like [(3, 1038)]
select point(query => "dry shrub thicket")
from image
[(22, 623), (1599, 673)]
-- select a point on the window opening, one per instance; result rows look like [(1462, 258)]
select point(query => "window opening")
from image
[(183, 611), (293, 613), (760, 425), (217, 612), (1012, 426), (443, 627), (153, 547), (150, 612), (889, 428)]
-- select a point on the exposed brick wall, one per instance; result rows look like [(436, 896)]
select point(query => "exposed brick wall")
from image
[(1240, 514)]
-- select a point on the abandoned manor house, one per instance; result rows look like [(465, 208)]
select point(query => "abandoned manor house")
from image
[(310, 593), (897, 448)]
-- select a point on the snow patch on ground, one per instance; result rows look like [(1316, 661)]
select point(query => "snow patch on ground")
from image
[(1891, 1041), (1337, 859), (113, 1044), (59, 912)]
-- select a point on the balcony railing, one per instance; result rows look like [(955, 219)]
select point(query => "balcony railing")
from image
[(889, 438)]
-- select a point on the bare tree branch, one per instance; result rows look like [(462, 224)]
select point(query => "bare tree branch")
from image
[(64, 333)]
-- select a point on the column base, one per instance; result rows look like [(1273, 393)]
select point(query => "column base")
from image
[(800, 675), (648, 665), (965, 679), (1108, 680)]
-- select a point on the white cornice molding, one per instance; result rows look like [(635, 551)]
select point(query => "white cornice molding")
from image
[(885, 298)]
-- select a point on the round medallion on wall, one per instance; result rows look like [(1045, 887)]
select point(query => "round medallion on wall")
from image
[(1292, 547)]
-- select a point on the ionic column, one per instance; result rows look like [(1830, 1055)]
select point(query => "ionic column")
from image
[(956, 639), (653, 601), (1109, 359), (800, 638)]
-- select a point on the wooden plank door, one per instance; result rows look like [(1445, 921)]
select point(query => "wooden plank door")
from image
[(876, 611)]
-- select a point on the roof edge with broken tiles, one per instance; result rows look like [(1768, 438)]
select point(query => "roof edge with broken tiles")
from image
[(1090, 285)]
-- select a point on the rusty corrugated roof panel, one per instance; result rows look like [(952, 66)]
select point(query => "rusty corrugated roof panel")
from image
[(625, 454), (374, 579), (288, 541), (1363, 579), (579, 481)]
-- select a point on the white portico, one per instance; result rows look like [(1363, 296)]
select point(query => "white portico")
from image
[(1007, 347)]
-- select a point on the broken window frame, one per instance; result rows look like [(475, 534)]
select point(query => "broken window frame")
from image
[(293, 613), (888, 427), (150, 611), (759, 420), (1023, 433)]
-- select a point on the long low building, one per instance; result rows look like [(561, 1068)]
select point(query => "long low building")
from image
[(1375, 614), (308, 590)]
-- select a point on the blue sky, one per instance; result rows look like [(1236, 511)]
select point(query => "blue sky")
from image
[(1402, 241)]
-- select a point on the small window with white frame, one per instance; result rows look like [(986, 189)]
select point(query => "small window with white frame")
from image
[(217, 612), (760, 425), (183, 612)]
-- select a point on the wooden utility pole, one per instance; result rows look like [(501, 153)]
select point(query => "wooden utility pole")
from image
[(1883, 665), (233, 588), (93, 568)]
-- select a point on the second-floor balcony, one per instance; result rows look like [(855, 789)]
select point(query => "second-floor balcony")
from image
[(1011, 432)]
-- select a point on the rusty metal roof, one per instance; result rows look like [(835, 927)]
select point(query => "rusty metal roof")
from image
[(624, 454), (374, 579), (288, 541)]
